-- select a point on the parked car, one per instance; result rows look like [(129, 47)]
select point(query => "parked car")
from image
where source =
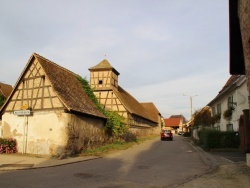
[(180, 132), (166, 135)]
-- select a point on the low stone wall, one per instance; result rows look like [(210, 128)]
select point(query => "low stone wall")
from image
[(140, 131), (84, 133)]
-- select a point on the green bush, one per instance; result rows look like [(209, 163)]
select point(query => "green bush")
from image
[(8, 145), (2, 100), (187, 134), (116, 124), (214, 139)]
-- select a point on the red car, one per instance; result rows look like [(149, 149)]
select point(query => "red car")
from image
[(166, 135)]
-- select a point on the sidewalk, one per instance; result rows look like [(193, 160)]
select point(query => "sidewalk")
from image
[(229, 171), (24, 161)]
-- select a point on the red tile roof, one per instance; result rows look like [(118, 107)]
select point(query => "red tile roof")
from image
[(172, 122)]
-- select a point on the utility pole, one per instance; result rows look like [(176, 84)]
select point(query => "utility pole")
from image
[(191, 103)]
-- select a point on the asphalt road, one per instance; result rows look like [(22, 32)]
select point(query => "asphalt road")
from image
[(153, 163)]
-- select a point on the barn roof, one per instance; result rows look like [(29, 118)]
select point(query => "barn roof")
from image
[(132, 105), (152, 110), (5, 89), (66, 85)]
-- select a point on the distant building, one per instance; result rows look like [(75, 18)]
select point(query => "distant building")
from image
[(176, 123)]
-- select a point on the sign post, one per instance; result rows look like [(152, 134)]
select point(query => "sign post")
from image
[(24, 112)]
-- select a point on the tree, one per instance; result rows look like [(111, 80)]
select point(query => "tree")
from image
[(2, 100), (203, 117)]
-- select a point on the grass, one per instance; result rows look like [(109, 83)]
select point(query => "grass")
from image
[(115, 146)]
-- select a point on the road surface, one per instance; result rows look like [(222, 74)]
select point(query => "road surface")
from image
[(154, 163)]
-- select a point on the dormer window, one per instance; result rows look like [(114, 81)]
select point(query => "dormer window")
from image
[(100, 82)]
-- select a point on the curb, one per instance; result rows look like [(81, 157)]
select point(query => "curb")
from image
[(46, 166)]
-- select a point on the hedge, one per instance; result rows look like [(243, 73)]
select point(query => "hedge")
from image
[(214, 139)]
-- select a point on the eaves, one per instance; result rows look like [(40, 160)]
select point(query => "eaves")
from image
[(227, 91)]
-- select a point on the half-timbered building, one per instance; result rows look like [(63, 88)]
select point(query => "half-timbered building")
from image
[(104, 81), (48, 111)]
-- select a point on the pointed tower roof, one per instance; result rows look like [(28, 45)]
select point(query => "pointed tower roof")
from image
[(104, 65)]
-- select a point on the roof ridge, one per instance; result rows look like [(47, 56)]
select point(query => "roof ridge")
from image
[(38, 55), (127, 103)]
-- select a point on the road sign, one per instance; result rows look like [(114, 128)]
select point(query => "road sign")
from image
[(21, 112)]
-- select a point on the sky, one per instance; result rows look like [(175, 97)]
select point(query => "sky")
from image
[(166, 51)]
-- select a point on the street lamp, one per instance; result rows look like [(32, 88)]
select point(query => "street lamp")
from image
[(191, 103)]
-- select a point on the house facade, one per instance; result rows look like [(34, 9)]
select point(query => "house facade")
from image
[(105, 83), (175, 123), (228, 105), (239, 35), (48, 111)]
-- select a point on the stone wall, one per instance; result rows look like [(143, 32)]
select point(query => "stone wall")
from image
[(244, 17), (84, 133)]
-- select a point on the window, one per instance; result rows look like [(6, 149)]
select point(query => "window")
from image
[(100, 82), (213, 111), (219, 108), (230, 102), (230, 127)]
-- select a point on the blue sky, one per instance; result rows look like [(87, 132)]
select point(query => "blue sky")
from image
[(162, 48)]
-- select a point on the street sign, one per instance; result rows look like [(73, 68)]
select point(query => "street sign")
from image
[(21, 112)]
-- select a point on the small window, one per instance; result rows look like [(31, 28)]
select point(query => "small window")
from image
[(100, 82), (219, 108), (230, 102), (230, 127)]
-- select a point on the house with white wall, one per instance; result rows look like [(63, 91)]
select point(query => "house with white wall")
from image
[(230, 101)]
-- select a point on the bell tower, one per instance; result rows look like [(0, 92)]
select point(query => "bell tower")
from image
[(103, 77)]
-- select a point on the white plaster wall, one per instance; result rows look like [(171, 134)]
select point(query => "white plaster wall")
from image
[(42, 133), (240, 97)]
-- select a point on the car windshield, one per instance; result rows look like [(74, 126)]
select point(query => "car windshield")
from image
[(167, 131)]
